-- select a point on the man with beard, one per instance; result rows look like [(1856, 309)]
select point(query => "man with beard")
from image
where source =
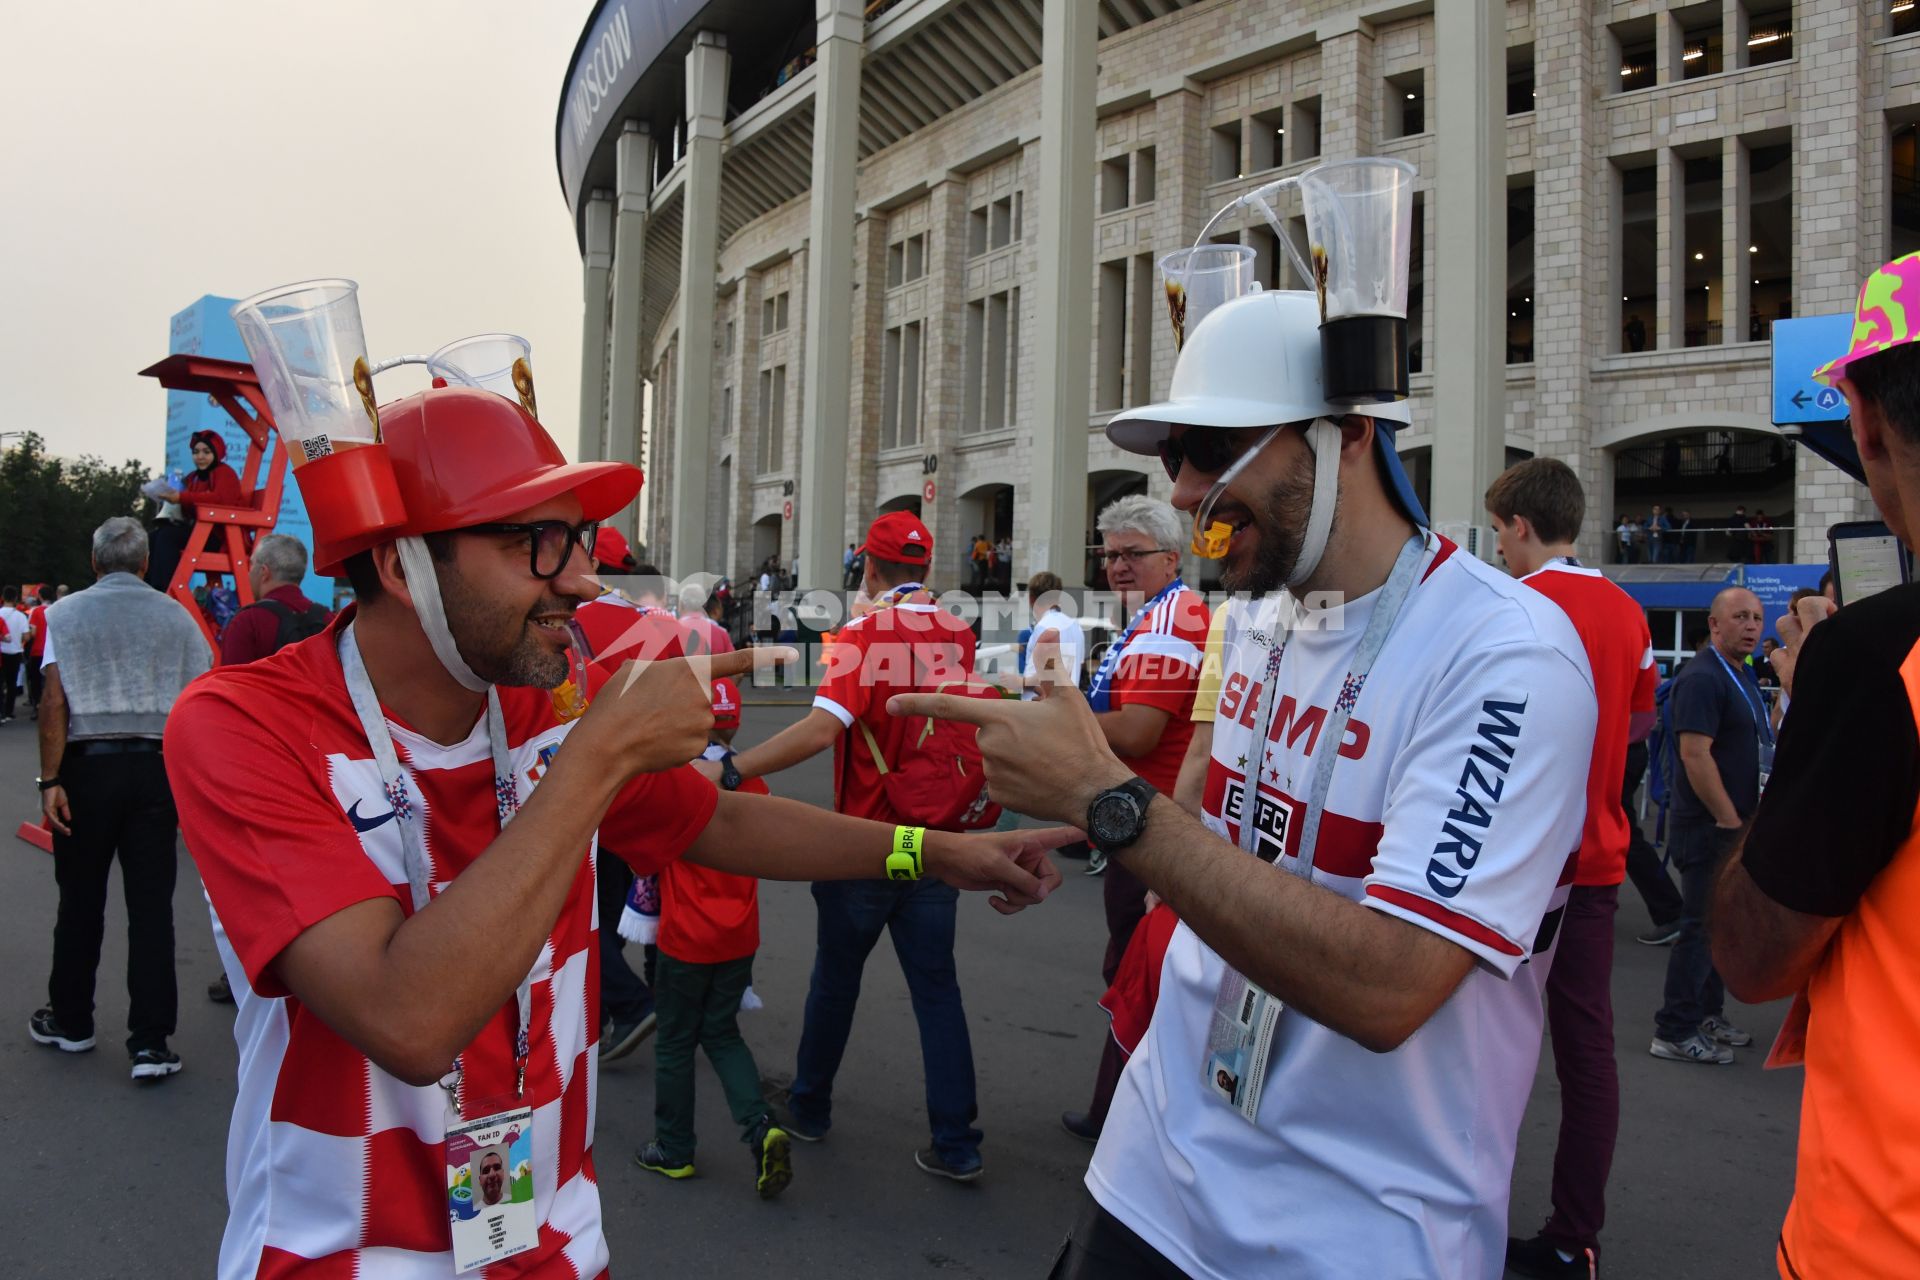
[(363, 804), (1401, 743)]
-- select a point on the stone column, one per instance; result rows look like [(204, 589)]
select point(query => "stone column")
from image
[(1736, 265), (1056, 491), (635, 167), (1574, 203), (1670, 248), (598, 268), (1839, 135), (946, 323), (707, 67), (1470, 217), (1179, 120), (827, 399), (1347, 92)]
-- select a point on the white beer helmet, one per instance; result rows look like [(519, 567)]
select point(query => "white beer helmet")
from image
[(1254, 364)]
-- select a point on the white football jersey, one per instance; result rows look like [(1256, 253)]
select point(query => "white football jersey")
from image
[(1456, 806)]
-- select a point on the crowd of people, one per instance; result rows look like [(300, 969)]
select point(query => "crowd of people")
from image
[(1361, 832), (1665, 536)]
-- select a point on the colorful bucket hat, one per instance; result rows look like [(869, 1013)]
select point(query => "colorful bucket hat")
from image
[(1888, 315)]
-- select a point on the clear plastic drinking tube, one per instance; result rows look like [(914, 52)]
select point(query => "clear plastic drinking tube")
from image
[(1210, 536)]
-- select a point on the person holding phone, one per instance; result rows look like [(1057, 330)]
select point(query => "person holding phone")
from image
[(1819, 901)]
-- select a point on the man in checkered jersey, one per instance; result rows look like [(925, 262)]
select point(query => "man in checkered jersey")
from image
[(1409, 958), (369, 1028)]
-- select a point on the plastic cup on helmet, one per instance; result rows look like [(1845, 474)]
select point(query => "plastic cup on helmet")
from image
[(1201, 278), (485, 360), (1360, 236), (310, 351)]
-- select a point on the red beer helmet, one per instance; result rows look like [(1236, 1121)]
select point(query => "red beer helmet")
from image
[(463, 456)]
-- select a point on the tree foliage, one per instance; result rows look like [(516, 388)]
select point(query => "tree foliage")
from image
[(49, 508)]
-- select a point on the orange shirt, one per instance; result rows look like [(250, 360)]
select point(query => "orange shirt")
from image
[(1856, 1198)]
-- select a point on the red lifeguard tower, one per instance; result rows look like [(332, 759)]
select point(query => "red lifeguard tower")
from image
[(222, 537)]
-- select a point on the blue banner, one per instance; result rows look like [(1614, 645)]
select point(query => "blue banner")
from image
[(624, 39)]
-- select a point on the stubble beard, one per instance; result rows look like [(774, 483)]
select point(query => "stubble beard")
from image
[(479, 628), (1282, 525)]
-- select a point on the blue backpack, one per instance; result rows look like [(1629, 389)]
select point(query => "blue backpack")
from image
[(1663, 759)]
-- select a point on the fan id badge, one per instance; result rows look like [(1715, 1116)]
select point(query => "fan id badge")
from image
[(490, 1189), (1238, 1043)]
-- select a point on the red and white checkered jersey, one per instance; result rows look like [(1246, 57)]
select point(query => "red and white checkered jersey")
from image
[(1455, 806), (334, 1167)]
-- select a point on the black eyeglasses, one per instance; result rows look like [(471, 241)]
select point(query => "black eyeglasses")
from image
[(550, 543), (1111, 558)]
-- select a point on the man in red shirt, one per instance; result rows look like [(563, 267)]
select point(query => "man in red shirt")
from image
[(397, 833), (1142, 696), (1537, 507), (280, 613), (905, 643)]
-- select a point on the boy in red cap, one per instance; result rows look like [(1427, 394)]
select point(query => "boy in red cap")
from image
[(904, 643), (709, 931)]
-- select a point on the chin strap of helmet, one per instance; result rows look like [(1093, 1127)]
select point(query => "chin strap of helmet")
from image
[(424, 585), (1324, 436)]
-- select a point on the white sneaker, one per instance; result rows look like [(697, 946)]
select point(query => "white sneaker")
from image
[(1695, 1048), (1096, 864), (1720, 1031)]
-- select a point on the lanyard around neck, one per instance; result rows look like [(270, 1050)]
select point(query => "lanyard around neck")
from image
[(1762, 726), (1386, 611), (1097, 691), (506, 797)]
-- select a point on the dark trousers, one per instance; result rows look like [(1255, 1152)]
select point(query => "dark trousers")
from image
[(121, 805), (920, 917), (699, 1007), (9, 681), (1101, 1247), (35, 682), (1694, 993), (1644, 868), (1580, 1020), (623, 996), (1126, 902)]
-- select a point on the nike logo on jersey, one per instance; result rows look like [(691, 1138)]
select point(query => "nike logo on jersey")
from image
[(367, 824), (1482, 780)]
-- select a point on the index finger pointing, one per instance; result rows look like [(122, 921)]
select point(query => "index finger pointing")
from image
[(947, 706), (740, 661)]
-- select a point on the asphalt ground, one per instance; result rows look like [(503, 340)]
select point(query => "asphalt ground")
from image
[(103, 1178)]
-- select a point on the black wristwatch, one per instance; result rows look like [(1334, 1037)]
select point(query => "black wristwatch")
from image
[(1118, 815), (48, 784), (730, 778)]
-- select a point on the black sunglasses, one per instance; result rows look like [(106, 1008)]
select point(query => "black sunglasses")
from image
[(550, 543), (1206, 449)]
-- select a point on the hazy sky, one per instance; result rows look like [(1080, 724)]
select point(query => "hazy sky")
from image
[(158, 150)]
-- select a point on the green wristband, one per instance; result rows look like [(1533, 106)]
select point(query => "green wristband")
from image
[(905, 862)]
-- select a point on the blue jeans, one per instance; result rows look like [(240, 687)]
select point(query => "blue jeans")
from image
[(920, 916), (1694, 993)]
